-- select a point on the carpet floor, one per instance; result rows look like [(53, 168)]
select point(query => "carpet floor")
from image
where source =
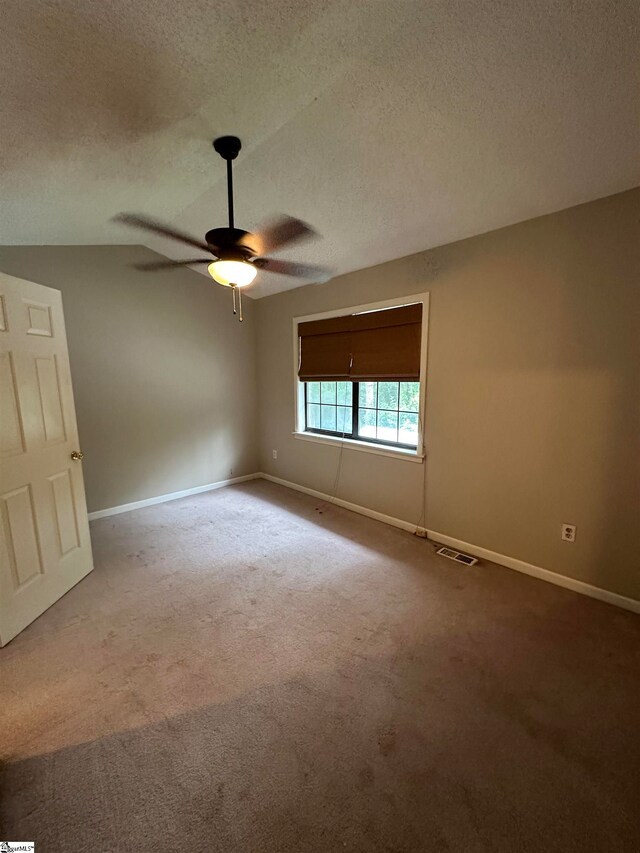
[(250, 670)]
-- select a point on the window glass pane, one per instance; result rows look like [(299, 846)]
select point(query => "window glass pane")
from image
[(408, 429), (344, 390), (328, 415), (367, 423), (344, 419), (387, 426), (368, 394), (387, 395), (313, 392), (410, 396), (328, 390), (313, 416), (388, 411)]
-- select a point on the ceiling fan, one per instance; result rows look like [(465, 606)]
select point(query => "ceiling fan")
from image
[(237, 254)]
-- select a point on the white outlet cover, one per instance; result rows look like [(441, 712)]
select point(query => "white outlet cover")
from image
[(568, 532)]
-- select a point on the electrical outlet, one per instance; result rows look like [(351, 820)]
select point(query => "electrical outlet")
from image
[(569, 532), (274, 453)]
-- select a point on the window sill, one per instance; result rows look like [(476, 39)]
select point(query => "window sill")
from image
[(352, 444)]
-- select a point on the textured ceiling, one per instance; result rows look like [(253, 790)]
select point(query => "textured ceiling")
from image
[(390, 126)]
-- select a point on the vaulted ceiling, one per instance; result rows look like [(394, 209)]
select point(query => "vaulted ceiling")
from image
[(390, 125)]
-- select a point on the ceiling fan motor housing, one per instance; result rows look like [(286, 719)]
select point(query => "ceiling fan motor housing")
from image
[(229, 244)]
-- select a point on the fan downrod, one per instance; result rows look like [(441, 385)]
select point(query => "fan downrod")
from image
[(228, 147)]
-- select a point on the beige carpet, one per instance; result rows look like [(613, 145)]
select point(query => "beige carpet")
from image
[(243, 672)]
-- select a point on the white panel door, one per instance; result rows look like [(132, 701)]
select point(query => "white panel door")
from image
[(44, 531)]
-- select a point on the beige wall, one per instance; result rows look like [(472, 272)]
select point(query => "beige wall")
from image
[(163, 374), (533, 394)]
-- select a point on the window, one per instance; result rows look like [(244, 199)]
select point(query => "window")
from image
[(360, 375), (381, 412)]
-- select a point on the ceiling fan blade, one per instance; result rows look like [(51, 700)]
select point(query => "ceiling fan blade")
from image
[(278, 234), (315, 274), (159, 228), (151, 266)]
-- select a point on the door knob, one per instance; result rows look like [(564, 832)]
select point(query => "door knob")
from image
[(77, 455)]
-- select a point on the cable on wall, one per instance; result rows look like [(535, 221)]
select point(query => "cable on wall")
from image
[(421, 525), (336, 482)]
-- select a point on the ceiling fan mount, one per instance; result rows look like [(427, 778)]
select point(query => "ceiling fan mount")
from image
[(228, 147), (235, 254)]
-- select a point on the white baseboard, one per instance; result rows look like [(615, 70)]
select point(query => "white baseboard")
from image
[(362, 510), (477, 551), (538, 572), (172, 496)]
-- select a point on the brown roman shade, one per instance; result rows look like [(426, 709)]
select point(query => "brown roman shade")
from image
[(376, 346)]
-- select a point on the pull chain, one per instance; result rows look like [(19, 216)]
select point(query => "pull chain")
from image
[(237, 302)]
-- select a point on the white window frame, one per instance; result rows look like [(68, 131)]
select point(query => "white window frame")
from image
[(416, 455)]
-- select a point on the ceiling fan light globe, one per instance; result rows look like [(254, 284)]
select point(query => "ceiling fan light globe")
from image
[(238, 273)]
